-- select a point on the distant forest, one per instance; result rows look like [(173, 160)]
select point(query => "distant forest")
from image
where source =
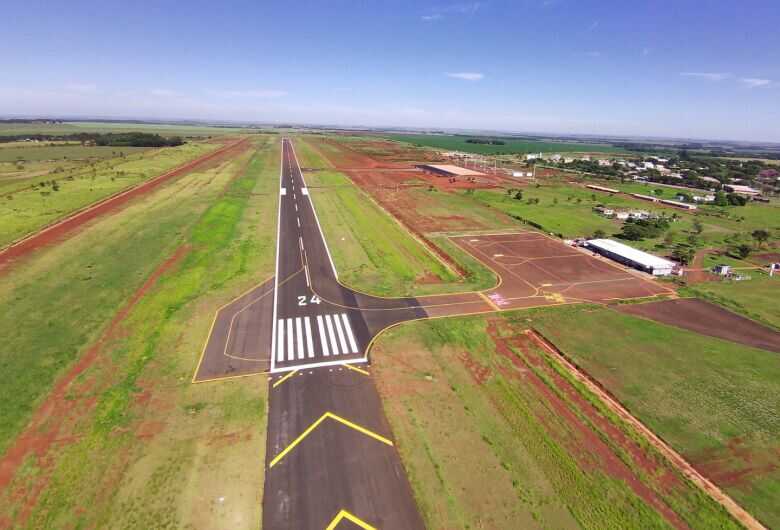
[(486, 141), (129, 139)]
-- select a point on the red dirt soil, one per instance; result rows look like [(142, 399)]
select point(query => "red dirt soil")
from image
[(66, 227), (60, 412), (598, 454), (708, 319), (736, 465)]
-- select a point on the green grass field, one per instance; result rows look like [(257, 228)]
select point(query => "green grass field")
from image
[(372, 252), (26, 205), (755, 298), (152, 445), (75, 127), (714, 401), (64, 152), (458, 143), (484, 449)]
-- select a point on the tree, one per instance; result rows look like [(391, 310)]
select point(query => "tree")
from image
[(697, 226), (669, 238), (519, 195), (761, 236), (683, 253), (741, 251), (599, 234)]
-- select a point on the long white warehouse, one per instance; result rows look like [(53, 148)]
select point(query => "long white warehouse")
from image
[(632, 257)]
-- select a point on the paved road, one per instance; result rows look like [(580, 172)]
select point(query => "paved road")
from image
[(329, 444)]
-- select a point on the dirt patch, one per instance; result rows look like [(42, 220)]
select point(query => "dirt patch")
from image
[(736, 465), (765, 259), (479, 373), (69, 401), (597, 454), (66, 227), (697, 273), (708, 319)]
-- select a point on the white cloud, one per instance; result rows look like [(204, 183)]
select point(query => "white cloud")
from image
[(709, 76), (431, 18), (81, 88), (645, 52), (754, 82), (466, 76), (463, 8), (262, 93), (593, 26), (162, 92), (592, 54)]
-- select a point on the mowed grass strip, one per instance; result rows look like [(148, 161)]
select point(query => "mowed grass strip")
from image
[(484, 449), (40, 202), (714, 401), (372, 252), (511, 146), (157, 451)]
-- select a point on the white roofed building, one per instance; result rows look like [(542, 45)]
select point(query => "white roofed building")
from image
[(632, 257)]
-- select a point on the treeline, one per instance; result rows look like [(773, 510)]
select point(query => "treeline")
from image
[(129, 139)]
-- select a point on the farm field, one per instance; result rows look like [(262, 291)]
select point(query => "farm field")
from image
[(372, 252), (492, 435), (755, 298), (458, 143), (713, 401), (28, 204), (137, 445), (75, 127), (64, 152)]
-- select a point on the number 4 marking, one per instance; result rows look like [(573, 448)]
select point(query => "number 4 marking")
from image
[(314, 300)]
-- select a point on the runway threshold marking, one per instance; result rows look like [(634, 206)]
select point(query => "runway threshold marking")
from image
[(344, 514), (317, 423), (285, 378)]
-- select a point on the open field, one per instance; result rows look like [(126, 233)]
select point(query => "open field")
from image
[(373, 252), (755, 298), (64, 152), (37, 202), (458, 143), (75, 127), (493, 435), (713, 401), (135, 444)]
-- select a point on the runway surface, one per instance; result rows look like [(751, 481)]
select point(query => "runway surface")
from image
[(330, 453)]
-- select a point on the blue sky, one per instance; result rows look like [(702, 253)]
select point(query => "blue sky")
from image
[(682, 68)]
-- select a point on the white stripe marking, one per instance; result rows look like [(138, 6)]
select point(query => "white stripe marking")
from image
[(280, 341), (341, 334), (305, 191), (299, 337), (333, 344), (299, 221), (309, 340), (290, 338), (323, 338), (296, 206), (350, 336), (283, 191)]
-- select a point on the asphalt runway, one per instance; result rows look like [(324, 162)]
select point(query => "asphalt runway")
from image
[(330, 453)]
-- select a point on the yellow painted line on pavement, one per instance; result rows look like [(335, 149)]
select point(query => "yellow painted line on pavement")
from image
[(344, 514), (316, 424), (356, 369), (285, 378)]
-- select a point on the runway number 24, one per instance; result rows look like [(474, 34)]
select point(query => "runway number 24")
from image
[(314, 300)]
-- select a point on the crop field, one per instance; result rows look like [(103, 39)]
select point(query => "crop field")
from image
[(458, 143), (28, 204), (64, 152), (372, 252), (134, 443), (714, 401), (755, 298), (76, 127), (493, 435)]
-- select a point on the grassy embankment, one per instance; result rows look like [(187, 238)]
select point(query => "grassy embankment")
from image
[(64, 152), (153, 450), (372, 252), (27, 206), (458, 143), (714, 401), (7, 129), (484, 447)]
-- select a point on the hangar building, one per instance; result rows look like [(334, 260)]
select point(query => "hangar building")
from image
[(632, 257), (449, 170)]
